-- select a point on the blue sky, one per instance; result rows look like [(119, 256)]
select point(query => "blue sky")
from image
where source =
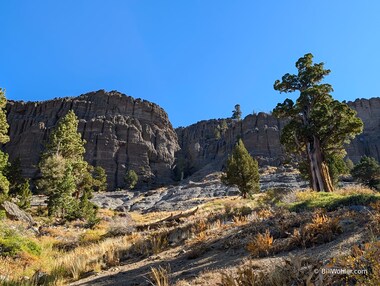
[(196, 59)]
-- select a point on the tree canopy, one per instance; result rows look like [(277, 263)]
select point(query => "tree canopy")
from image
[(318, 126)]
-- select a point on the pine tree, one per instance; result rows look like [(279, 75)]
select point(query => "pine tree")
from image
[(4, 138), (236, 113), (242, 171), (318, 126), (19, 187), (24, 195), (66, 177), (100, 179)]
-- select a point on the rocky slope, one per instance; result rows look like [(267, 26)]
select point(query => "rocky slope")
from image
[(188, 193), (121, 133), (200, 148)]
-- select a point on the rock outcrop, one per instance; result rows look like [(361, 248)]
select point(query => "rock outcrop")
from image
[(367, 143), (12, 211), (121, 132), (201, 148)]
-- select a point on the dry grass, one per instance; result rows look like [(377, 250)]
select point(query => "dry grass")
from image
[(159, 242), (355, 190), (92, 257), (246, 276), (159, 276), (364, 257), (320, 230), (261, 245), (294, 270)]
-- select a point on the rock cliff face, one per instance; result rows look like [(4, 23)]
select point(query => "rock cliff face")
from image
[(367, 143), (121, 132), (200, 148)]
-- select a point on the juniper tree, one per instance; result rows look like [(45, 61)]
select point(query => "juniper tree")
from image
[(318, 126), (242, 171), (4, 138)]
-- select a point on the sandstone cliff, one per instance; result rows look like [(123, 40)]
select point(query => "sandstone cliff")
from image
[(121, 133), (200, 148)]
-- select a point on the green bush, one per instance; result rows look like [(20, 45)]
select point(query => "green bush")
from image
[(131, 179), (2, 215), (12, 244), (367, 171)]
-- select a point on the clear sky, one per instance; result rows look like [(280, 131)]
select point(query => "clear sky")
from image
[(196, 59)]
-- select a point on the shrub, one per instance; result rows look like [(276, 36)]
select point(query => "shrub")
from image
[(367, 171), (320, 230), (131, 179), (13, 244), (261, 245)]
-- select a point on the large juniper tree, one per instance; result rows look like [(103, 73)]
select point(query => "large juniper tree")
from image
[(242, 171), (318, 126)]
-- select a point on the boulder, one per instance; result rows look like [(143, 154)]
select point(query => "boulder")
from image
[(13, 212)]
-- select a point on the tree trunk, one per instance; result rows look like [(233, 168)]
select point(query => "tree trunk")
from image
[(320, 176)]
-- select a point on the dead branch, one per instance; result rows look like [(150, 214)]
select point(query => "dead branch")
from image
[(168, 221)]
